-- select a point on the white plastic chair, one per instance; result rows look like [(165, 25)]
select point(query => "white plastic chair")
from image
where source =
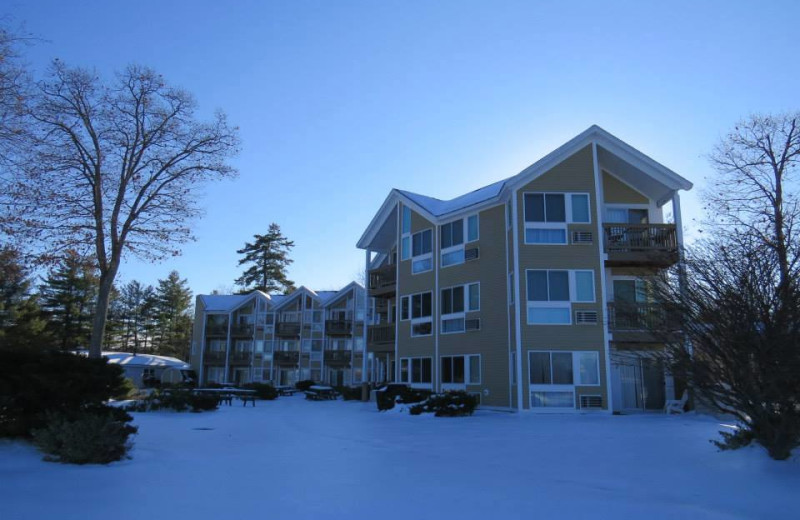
[(676, 405)]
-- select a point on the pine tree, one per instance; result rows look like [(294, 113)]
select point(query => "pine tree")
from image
[(268, 258), (136, 307), (173, 302), (68, 297), (21, 324)]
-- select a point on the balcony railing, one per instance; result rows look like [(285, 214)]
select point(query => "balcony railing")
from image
[(242, 330), (383, 281), (286, 357), (338, 357), (242, 356), (646, 317), (287, 328), (381, 334), (214, 356), (339, 327), (216, 330), (637, 244)]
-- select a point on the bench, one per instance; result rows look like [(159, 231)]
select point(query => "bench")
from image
[(248, 398), (321, 393)]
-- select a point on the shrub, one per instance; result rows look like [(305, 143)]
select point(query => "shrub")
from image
[(33, 383), (399, 393), (178, 399), (449, 404), (304, 385), (263, 390), (349, 393), (94, 435)]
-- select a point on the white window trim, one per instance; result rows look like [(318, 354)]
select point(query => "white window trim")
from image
[(405, 235), (420, 319), (462, 314), (554, 225)]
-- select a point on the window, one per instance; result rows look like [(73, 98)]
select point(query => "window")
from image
[(474, 297), (421, 247), (549, 293), (461, 370), (553, 376), (455, 301), (418, 307), (405, 241), (472, 228), (452, 239), (415, 370), (547, 216)]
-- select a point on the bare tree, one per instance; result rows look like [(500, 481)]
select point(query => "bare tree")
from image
[(115, 170), (14, 94), (740, 305), (756, 189)]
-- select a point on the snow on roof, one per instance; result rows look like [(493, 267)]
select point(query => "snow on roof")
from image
[(439, 207), (223, 302), (150, 360), (325, 296)]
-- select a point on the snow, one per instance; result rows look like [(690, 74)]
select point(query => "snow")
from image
[(124, 358), (438, 207), (297, 459)]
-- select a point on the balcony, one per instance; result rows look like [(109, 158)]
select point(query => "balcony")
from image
[(338, 357), (639, 322), (214, 356), (241, 358), (380, 338), (383, 281), (629, 245), (339, 327), (289, 329), (216, 330), (286, 357), (242, 330)]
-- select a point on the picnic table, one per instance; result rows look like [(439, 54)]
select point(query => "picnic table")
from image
[(286, 390), (226, 394), (320, 393)]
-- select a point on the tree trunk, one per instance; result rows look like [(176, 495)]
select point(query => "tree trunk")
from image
[(101, 311)]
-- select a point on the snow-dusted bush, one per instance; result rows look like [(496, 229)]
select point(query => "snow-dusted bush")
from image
[(449, 404), (263, 390), (96, 435)]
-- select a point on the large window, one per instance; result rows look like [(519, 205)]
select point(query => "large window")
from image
[(547, 216), (415, 370), (419, 309), (405, 241), (421, 247), (553, 376), (455, 302), (452, 239), (550, 292), (461, 370)]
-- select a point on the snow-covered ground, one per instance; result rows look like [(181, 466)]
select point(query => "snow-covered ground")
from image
[(292, 459)]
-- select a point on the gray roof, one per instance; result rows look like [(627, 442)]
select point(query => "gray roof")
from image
[(439, 207)]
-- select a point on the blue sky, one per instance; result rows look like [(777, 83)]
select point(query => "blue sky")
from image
[(340, 101)]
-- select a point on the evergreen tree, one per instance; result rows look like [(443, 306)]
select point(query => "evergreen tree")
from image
[(173, 303), (21, 324), (268, 258), (136, 307), (68, 297)]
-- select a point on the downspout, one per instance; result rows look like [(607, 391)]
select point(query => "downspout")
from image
[(435, 310), (365, 325), (228, 348)]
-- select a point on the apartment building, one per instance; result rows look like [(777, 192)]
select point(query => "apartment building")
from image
[(280, 339), (532, 292)]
